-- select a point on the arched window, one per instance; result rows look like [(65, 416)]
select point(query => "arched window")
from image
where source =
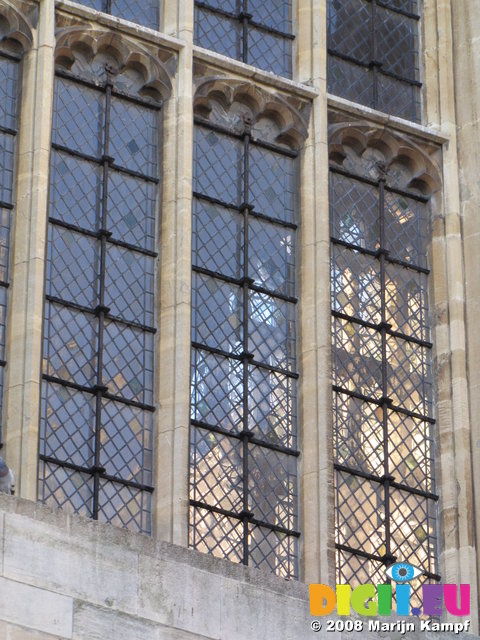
[(243, 460), (373, 54), (385, 500), (258, 32), (98, 356)]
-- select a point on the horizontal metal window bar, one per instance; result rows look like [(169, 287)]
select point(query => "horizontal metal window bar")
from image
[(102, 86), (382, 559), (3, 363), (403, 12), (8, 131), (214, 126), (6, 205), (240, 516), (99, 161), (95, 234), (372, 63), (239, 209), (91, 471), (240, 16), (381, 480), (93, 391), (238, 435), (108, 316), (4, 284), (380, 401), (239, 282), (240, 357), (376, 327), (375, 254)]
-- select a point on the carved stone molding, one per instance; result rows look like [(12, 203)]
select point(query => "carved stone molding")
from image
[(88, 50), (273, 117), (16, 25), (368, 149)]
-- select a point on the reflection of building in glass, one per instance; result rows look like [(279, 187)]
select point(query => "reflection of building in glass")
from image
[(243, 474), (383, 434)]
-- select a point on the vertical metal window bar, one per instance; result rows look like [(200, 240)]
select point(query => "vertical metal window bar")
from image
[(116, 487), (385, 497), (257, 33), (373, 54), (9, 71), (241, 454)]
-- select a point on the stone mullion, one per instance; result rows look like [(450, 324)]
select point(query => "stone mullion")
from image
[(29, 239)]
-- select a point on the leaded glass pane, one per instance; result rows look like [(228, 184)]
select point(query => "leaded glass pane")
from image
[(269, 51), (350, 28), (217, 309), (274, 552), (215, 465), (217, 390), (360, 513), (131, 210), (351, 81), (217, 238), (67, 427), (78, 117), (222, 179), (5, 215), (243, 361), (218, 32), (99, 312), (272, 407), (127, 434), (7, 145), (8, 93), (66, 488), (144, 12), (272, 184), (358, 437), (397, 44), (383, 394), (72, 266), (374, 54), (75, 190), (216, 534), (70, 344), (129, 279), (258, 34)]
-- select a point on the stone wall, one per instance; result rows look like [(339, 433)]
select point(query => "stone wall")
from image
[(67, 577)]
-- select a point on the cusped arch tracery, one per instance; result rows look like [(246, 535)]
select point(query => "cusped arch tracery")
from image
[(16, 25), (272, 117), (90, 51), (365, 149)]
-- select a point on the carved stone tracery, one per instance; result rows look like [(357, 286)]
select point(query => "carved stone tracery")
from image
[(273, 117), (16, 25), (88, 51)]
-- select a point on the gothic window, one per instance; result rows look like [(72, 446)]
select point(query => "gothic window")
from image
[(144, 12), (243, 438), (258, 32), (9, 80), (98, 354), (374, 54), (385, 496)]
